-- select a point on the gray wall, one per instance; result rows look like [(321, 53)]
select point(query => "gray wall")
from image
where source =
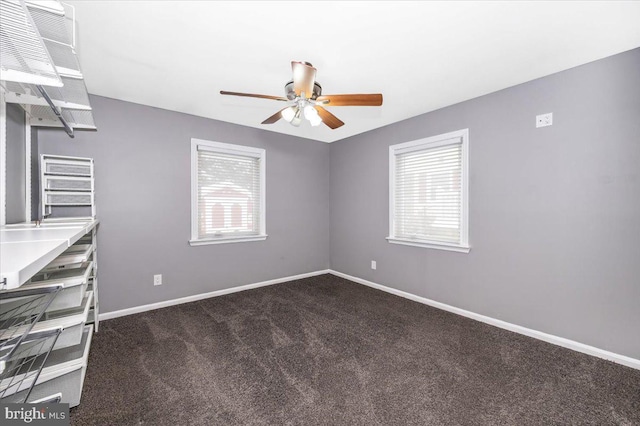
[(16, 164), (554, 212), (142, 170)]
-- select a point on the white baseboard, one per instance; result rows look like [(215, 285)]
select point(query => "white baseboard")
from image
[(560, 341), (164, 304)]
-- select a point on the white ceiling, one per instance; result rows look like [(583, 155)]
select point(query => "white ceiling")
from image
[(421, 56)]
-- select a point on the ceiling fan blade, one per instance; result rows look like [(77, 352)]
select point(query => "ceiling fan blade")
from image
[(328, 118), (253, 95), (275, 117), (304, 75), (372, 99)]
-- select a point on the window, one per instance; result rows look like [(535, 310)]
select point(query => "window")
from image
[(428, 192), (227, 193)]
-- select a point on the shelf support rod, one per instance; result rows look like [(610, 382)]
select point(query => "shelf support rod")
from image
[(57, 112)]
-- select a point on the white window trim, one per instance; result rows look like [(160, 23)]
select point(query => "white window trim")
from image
[(228, 149), (432, 142)]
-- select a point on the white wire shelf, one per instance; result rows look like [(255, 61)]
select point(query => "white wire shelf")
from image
[(23, 370), (77, 119), (73, 95), (51, 28), (24, 56), (55, 20), (17, 322)]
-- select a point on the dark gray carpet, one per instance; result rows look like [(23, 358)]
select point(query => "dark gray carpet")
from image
[(328, 351)]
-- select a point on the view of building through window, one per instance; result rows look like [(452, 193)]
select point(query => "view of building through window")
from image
[(227, 208)]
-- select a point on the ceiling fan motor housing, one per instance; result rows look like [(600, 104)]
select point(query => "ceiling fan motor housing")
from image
[(291, 94)]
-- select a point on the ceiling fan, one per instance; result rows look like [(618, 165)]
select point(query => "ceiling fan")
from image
[(304, 96)]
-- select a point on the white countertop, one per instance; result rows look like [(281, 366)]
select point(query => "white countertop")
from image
[(25, 249)]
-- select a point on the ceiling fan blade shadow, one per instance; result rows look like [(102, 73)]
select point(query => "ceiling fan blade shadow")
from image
[(370, 99), (303, 78), (253, 95), (329, 119), (275, 117)]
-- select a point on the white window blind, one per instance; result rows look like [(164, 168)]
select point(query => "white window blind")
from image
[(229, 193), (428, 186)]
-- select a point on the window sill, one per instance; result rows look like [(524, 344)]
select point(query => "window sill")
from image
[(225, 240), (424, 244)]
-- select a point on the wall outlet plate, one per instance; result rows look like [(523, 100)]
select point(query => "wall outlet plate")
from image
[(374, 265), (157, 279), (544, 120)]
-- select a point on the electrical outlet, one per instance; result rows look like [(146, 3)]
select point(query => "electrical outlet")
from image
[(373, 264), (157, 279), (544, 120)]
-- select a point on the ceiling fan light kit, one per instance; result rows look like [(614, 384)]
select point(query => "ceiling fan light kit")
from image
[(311, 114), (292, 115), (304, 94), (289, 113)]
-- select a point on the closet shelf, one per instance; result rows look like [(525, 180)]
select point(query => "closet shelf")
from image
[(25, 57), (74, 255), (71, 321), (74, 282), (72, 95), (25, 367), (26, 249), (55, 20), (68, 326), (65, 198), (51, 26), (66, 166), (62, 375), (58, 190), (17, 321), (76, 118), (67, 183), (46, 323), (66, 174)]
